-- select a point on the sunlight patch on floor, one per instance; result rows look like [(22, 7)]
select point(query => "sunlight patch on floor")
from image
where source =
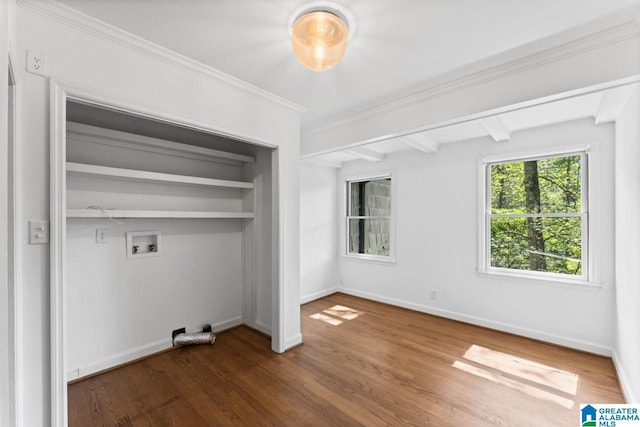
[(535, 379), (340, 312), (343, 312), (327, 319), (517, 385), (523, 368)]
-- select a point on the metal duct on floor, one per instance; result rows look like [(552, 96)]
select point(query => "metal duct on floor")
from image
[(197, 338), (180, 337)]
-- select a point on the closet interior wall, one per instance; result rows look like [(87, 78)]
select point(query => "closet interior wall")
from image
[(210, 211)]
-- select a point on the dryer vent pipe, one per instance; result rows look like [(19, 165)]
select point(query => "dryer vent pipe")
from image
[(180, 337)]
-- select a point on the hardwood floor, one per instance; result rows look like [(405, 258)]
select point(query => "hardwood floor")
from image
[(362, 363)]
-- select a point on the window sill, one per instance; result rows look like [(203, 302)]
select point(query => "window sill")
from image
[(562, 282), (370, 258)]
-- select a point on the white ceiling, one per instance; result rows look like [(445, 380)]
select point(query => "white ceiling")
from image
[(398, 46)]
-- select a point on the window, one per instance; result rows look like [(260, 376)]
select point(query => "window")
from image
[(536, 216), (368, 217)]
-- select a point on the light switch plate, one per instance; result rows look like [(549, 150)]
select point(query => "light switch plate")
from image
[(38, 232), (102, 235)]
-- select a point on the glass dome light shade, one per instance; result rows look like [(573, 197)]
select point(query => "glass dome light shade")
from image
[(319, 40)]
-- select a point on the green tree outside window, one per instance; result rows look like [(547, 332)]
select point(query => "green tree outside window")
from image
[(536, 215)]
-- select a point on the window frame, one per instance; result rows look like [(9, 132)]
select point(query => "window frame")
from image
[(345, 213), (484, 199)]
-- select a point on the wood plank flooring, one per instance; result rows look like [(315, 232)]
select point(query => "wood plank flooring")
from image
[(362, 363)]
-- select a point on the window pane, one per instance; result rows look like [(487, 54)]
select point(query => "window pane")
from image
[(369, 236), (537, 186), (537, 244), (370, 198)]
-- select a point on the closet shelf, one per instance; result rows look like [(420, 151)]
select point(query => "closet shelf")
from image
[(138, 175), (109, 137), (120, 213)]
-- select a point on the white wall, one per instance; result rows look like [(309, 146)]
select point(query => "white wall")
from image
[(436, 208), (318, 231), (627, 315), (103, 62), (287, 248)]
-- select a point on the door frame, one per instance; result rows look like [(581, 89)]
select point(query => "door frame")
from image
[(9, 222), (59, 94)]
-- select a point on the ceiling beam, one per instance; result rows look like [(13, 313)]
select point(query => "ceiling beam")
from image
[(365, 154), (611, 104), (421, 142), (496, 128), (323, 162)]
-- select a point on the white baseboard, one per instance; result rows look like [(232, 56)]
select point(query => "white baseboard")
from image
[(138, 352), (491, 324), (625, 383), (259, 326), (265, 329), (317, 295), (119, 359), (292, 341), (227, 324)]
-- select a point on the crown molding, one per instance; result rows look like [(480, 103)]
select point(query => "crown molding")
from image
[(514, 61), (90, 25)]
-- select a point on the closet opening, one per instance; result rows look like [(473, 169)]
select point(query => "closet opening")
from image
[(156, 226)]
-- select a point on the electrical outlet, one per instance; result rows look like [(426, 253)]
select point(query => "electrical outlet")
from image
[(102, 235), (38, 232), (36, 63), (433, 295)]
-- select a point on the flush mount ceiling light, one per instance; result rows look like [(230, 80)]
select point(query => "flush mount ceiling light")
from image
[(319, 35)]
